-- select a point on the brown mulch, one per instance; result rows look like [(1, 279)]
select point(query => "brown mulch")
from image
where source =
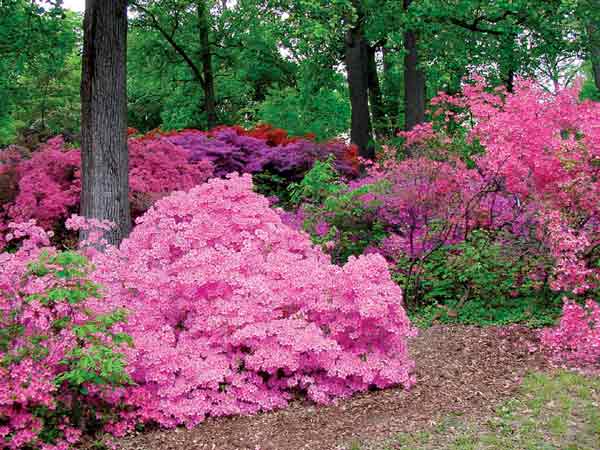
[(461, 370)]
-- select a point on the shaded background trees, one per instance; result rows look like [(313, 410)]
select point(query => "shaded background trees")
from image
[(358, 68)]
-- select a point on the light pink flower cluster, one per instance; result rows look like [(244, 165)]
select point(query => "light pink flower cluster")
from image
[(233, 312)]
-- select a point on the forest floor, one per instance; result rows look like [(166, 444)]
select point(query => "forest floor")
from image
[(462, 372)]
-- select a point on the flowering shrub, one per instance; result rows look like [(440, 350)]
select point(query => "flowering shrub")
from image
[(57, 358), (232, 149), (233, 312), (48, 185), (521, 168), (544, 150), (576, 339)]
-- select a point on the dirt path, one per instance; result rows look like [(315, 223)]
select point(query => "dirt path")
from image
[(465, 370)]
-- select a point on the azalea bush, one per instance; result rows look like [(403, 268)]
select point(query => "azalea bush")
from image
[(57, 357), (233, 312), (47, 186), (234, 149), (576, 339), (227, 310), (519, 168)]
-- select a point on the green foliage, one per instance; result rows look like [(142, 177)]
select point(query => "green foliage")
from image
[(318, 110), (340, 219), (483, 281), (94, 359), (39, 68), (318, 184), (589, 90)]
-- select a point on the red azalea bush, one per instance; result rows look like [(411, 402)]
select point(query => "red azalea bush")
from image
[(233, 312)]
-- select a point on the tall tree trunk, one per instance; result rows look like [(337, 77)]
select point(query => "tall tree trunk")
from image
[(207, 71), (375, 96), (414, 80), (358, 84), (508, 65), (593, 30), (104, 155), (392, 101)]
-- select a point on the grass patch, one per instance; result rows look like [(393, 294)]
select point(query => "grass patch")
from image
[(559, 411)]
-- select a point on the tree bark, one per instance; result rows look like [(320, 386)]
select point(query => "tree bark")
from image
[(594, 43), (392, 100), (207, 70), (104, 154), (356, 56), (375, 95), (414, 80)]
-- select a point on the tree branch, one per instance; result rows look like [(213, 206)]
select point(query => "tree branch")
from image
[(170, 39)]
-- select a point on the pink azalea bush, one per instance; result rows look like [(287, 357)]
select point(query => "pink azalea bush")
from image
[(576, 339), (229, 310), (54, 352), (521, 167), (48, 185), (545, 151), (233, 312)]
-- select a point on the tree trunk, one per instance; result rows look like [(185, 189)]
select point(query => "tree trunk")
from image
[(375, 96), (414, 81), (593, 30), (358, 84), (509, 81), (207, 71), (104, 155), (392, 100)]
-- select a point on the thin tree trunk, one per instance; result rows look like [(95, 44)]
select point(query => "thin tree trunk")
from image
[(375, 96), (358, 84), (593, 30), (414, 81), (392, 100), (207, 71), (105, 160)]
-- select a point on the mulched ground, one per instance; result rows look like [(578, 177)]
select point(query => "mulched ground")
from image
[(462, 370)]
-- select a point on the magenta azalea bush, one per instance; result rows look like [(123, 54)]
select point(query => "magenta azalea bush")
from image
[(522, 168), (233, 312)]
